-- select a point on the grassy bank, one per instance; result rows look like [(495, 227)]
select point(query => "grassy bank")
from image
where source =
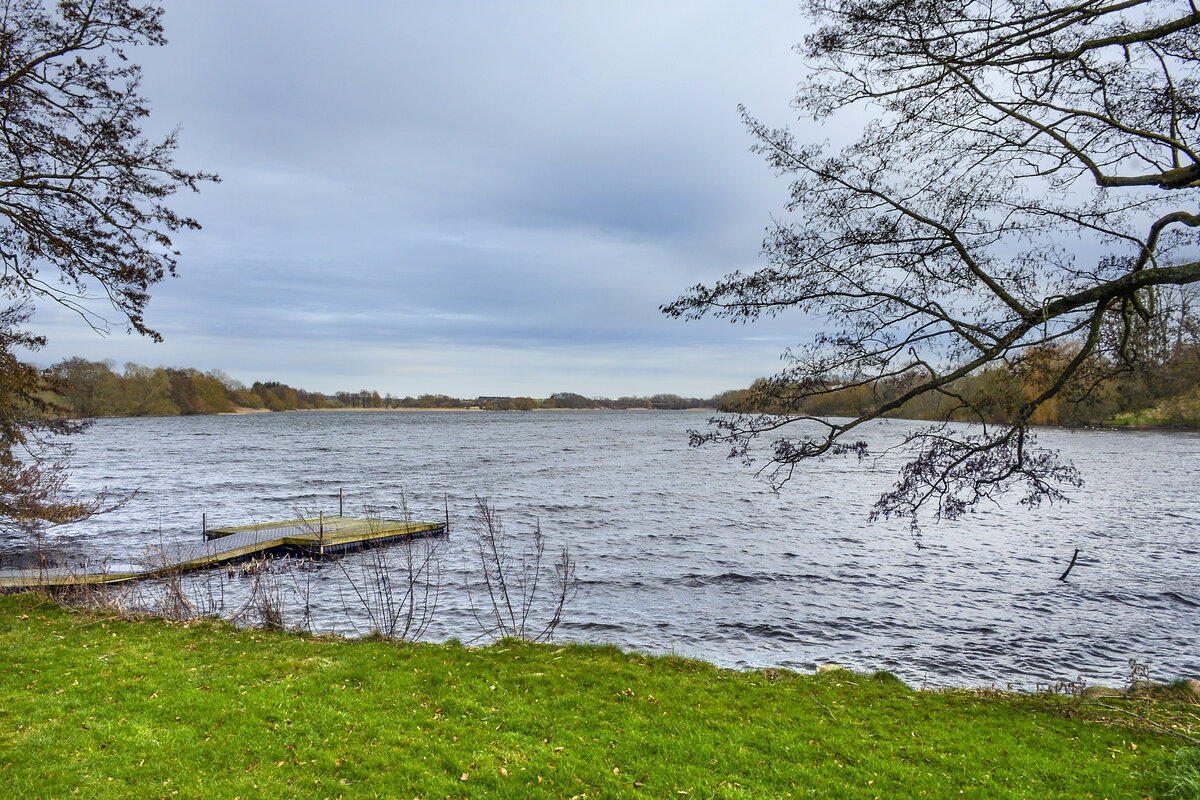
[(95, 706)]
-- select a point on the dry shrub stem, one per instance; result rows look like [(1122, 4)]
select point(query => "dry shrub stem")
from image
[(398, 587), (510, 580)]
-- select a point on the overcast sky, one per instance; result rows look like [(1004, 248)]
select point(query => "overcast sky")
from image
[(464, 198)]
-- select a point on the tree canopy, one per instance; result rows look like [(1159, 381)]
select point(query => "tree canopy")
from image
[(82, 190), (83, 212), (1022, 199)]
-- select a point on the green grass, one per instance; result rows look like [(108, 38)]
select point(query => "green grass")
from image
[(1179, 776), (95, 706), (1181, 411)]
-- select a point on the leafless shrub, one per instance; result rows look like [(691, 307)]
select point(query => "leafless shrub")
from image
[(82, 586), (162, 591), (1139, 675), (164, 594), (266, 600), (263, 607), (208, 601), (397, 587), (513, 582), (302, 574), (172, 593)]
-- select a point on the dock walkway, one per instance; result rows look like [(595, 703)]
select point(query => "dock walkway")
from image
[(319, 536)]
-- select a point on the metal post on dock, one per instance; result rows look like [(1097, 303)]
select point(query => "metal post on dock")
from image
[(204, 525), (341, 499), (446, 498)]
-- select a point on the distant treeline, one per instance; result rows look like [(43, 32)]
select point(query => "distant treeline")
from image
[(1161, 392), (96, 388)]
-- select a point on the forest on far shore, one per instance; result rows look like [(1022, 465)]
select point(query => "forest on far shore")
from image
[(97, 389), (1164, 392)]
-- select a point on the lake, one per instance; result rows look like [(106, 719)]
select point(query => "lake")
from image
[(682, 551)]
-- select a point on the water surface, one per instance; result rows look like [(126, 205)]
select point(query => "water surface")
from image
[(683, 551)]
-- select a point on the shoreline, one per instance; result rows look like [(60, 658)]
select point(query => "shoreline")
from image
[(242, 411)]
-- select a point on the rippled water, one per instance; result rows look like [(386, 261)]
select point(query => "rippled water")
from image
[(682, 551)]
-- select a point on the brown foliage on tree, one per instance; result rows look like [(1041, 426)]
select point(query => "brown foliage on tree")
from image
[(32, 458)]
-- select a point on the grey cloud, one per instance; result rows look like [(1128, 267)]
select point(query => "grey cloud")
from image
[(423, 182)]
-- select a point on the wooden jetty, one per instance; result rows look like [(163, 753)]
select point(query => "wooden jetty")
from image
[(316, 537)]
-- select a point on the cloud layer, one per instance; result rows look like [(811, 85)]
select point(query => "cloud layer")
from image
[(464, 198)]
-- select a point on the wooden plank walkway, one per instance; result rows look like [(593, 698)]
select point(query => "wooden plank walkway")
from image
[(319, 536)]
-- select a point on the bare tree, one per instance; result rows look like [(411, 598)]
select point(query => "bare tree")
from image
[(1021, 198), (513, 582)]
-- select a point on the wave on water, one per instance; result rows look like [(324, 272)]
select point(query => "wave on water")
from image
[(1190, 602), (681, 549)]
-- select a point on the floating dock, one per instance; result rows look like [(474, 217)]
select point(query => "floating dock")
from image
[(316, 537)]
